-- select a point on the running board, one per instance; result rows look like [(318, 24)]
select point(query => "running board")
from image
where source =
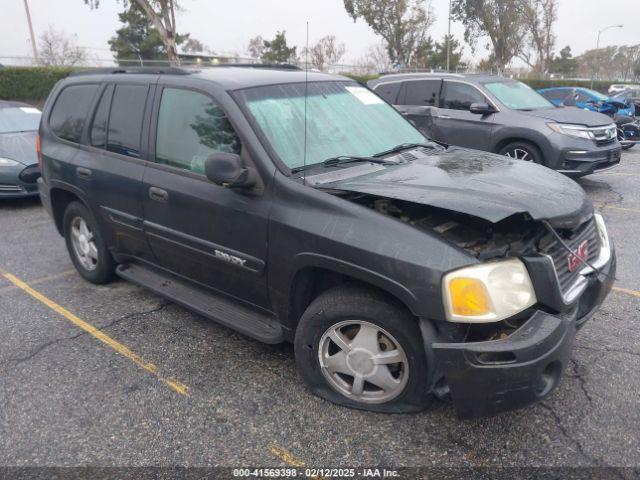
[(210, 305)]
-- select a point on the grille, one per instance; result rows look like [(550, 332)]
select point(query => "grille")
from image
[(604, 135), (30, 174), (552, 247), (10, 188)]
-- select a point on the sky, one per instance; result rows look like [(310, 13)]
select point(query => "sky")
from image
[(226, 26)]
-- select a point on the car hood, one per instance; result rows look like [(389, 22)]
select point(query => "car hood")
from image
[(20, 147), (573, 115), (480, 184)]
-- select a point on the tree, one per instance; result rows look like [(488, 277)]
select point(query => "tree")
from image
[(539, 17), (277, 51), (433, 55), (191, 45), (256, 47), (499, 20), (162, 13), (565, 64), (403, 24), (59, 49), (376, 60), (326, 52), (138, 39)]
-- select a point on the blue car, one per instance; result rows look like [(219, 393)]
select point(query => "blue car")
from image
[(587, 99)]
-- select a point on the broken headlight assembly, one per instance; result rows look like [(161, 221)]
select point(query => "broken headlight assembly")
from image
[(487, 292)]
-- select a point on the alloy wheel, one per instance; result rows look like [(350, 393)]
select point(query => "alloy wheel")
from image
[(519, 154), (363, 361), (84, 245)]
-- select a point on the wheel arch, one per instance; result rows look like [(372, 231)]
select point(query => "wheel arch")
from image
[(318, 274), (61, 197)]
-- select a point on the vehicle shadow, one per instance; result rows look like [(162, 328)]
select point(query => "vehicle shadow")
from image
[(19, 203)]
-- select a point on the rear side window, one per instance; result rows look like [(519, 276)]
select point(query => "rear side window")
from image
[(125, 120), (190, 128), (557, 94), (422, 92), (389, 92), (460, 96), (99, 127), (71, 110)]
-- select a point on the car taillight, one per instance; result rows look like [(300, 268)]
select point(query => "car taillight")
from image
[(38, 151)]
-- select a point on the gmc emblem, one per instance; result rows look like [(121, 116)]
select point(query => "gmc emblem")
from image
[(576, 258)]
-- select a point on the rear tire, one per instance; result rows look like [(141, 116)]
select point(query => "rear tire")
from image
[(522, 150), (355, 348), (85, 244)]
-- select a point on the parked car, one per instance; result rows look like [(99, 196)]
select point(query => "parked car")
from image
[(18, 159), (619, 87), (503, 116), (587, 99), (314, 213), (628, 127), (631, 96)]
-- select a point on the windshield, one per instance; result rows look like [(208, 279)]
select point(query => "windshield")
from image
[(343, 119), (19, 119), (518, 96)]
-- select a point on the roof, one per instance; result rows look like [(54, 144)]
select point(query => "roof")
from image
[(10, 104), (231, 77), (472, 77)]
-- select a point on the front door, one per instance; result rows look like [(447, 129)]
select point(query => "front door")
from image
[(453, 121), (210, 234), (416, 102)]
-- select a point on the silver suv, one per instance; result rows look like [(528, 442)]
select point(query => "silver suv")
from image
[(504, 116)]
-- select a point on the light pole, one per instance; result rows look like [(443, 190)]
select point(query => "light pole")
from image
[(598, 46), (449, 40), (34, 48)]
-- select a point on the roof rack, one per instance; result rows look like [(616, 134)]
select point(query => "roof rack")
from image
[(181, 70), (138, 70)]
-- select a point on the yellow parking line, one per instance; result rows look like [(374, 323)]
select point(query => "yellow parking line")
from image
[(286, 456), (37, 281), (635, 210), (627, 291), (175, 385)]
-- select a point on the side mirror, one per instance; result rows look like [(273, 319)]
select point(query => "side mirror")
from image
[(228, 170), (481, 108)]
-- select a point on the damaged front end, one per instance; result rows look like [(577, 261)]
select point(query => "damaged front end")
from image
[(493, 362)]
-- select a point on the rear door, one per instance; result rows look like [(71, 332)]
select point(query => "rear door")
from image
[(212, 235), (416, 102), (455, 124), (110, 166)]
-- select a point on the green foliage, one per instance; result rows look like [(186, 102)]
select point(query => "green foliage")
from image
[(277, 50), (434, 56), (402, 23), (30, 83), (363, 79), (564, 64), (138, 38)]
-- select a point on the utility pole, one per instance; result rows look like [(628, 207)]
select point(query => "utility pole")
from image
[(448, 40), (598, 46), (34, 47)]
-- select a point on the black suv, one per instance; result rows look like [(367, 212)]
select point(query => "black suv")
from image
[(504, 116), (312, 212)]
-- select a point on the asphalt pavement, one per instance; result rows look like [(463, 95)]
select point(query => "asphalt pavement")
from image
[(117, 376)]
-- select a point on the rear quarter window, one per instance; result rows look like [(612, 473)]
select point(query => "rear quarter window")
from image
[(71, 110), (389, 92)]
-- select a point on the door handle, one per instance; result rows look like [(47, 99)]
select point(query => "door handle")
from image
[(443, 116), (158, 194), (83, 172)]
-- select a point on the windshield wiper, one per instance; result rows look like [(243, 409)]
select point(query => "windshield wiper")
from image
[(407, 146), (341, 160)]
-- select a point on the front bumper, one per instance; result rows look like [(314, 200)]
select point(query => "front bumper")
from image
[(18, 181), (576, 162), (485, 378)]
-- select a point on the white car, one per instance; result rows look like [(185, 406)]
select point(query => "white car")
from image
[(619, 87)]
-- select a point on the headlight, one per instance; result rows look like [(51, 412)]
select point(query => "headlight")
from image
[(488, 292), (605, 244), (579, 131), (7, 162)]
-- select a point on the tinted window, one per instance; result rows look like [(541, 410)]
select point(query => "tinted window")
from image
[(582, 97), (459, 96), (125, 121), (389, 91), (70, 111), (190, 128), (99, 127), (557, 95), (422, 92)]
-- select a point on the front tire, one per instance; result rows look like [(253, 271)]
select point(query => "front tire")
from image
[(521, 150), (86, 246), (355, 348)]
